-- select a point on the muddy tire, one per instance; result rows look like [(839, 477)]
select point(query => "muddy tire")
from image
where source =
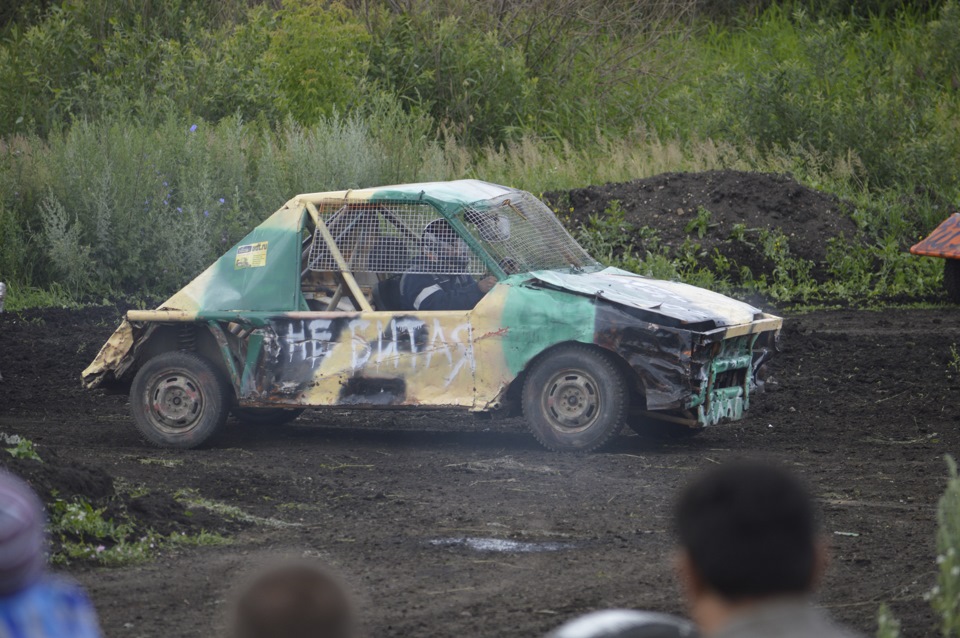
[(951, 279), (266, 416), (178, 400), (574, 399)]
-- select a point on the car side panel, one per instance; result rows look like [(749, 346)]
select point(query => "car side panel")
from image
[(367, 359), (538, 318)]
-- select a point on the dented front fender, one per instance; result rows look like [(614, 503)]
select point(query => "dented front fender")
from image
[(117, 354)]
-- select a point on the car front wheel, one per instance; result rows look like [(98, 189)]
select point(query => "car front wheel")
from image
[(574, 399), (178, 400)]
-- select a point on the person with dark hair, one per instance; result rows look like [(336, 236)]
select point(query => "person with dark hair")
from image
[(34, 603), (437, 279), (294, 600), (750, 555)]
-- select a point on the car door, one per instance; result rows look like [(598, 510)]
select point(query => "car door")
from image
[(369, 359), (343, 351)]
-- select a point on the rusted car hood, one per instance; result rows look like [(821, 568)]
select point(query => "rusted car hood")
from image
[(682, 302)]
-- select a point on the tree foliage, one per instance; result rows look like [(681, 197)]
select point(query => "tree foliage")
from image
[(317, 54), (124, 123)]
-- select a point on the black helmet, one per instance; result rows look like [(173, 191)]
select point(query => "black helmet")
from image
[(442, 241)]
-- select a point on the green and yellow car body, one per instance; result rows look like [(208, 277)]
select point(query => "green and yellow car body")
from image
[(688, 356)]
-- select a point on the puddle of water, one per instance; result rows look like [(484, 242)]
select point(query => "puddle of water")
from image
[(501, 545)]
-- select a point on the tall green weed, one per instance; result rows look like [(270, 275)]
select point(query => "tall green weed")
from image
[(143, 144), (945, 596), (122, 207)]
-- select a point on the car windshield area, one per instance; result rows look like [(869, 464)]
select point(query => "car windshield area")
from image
[(516, 231), (522, 234)]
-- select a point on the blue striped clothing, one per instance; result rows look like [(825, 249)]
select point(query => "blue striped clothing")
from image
[(51, 608)]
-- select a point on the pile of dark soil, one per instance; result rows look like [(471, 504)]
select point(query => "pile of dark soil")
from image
[(42, 353), (58, 478), (668, 203)]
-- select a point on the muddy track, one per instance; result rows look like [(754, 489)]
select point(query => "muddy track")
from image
[(864, 407)]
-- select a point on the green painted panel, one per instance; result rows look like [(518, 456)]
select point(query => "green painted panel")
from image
[(447, 197), (538, 318), (261, 272)]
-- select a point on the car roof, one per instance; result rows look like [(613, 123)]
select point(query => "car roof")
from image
[(447, 196)]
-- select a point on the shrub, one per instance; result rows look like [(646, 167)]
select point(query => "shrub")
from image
[(70, 259), (318, 56)]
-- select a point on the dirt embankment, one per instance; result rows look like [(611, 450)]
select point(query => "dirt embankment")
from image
[(726, 212)]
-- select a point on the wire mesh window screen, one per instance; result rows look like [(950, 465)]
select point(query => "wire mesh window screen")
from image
[(522, 234), (388, 238)]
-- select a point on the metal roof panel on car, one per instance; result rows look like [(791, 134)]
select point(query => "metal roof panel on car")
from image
[(449, 196)]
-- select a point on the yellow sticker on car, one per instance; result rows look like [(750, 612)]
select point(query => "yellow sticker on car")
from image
[(251, 255)]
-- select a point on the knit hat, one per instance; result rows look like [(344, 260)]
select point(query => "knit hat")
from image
[(22, 539)]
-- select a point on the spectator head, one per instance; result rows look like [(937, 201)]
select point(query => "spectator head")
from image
[(442, 242), (747, 531), (294, 600), (22, 539)]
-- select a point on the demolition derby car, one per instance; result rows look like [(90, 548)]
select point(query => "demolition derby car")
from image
[(309, 311)]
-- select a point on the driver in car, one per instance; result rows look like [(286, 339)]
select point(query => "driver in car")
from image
[(437, 279)]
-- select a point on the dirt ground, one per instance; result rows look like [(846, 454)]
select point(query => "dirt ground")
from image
[(864, 407), (443, 524)]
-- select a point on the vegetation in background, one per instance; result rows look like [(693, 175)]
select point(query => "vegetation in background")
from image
[(317, 55), (140, 139), (887, 625)]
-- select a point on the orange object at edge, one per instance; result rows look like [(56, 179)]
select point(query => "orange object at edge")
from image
[(944, 241)]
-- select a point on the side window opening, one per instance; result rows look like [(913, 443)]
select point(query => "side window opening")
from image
[(318, 288), (378, 243)]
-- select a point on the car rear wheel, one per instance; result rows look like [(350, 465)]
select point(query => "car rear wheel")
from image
[(574, 399), (951, 278), (178, 400), (266, 416)]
